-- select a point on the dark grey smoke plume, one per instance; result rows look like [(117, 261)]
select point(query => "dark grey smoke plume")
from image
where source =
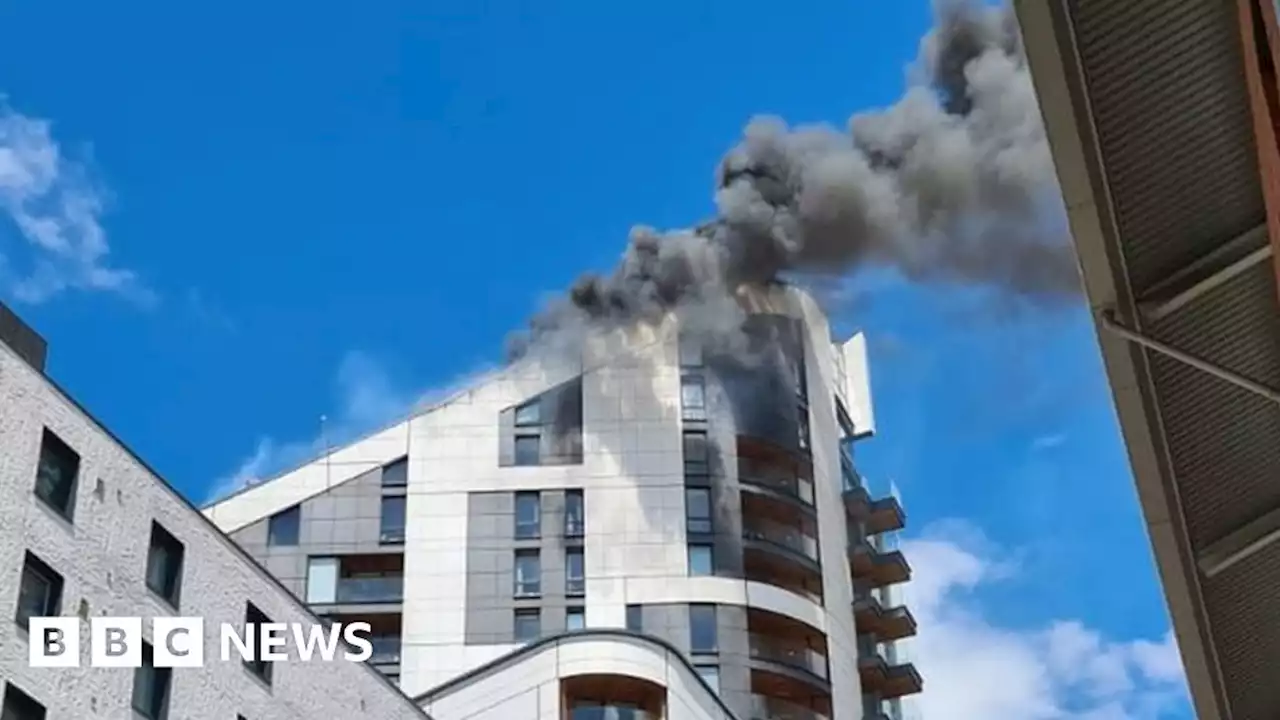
[(953, 183)]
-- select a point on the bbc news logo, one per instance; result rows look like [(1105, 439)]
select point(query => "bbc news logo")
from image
[(180, 642)]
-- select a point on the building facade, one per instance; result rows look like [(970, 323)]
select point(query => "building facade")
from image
[(665, 529)]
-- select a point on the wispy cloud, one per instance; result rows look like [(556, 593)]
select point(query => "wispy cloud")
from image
[(367, 399), (974, 667), (1048, 442), (56, 210), (207, 312)]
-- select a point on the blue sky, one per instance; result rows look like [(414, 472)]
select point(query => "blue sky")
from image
[(313, 209)]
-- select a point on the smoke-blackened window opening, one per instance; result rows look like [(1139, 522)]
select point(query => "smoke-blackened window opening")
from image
[(546, 430), (698, 510), (802, 423), (529, 414), (690, 351), (693, 397), (697, 453)]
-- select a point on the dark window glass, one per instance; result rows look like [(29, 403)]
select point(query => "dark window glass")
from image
[(702, 628), (696, 455), (20, 706), (574, 514), (528, 624), (392, 527), (39, 592), (574, 574), (528, 450), (575, 618), (164, 564), (529, 414), (528, 573), (255, 618), (396, 474), (635, 618), (151, 687), (803, 421), (283, 527), (56, 474), (528, 515), (697, 503), (690, 352), (700, 560)]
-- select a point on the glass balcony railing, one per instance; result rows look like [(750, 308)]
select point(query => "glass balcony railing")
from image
[(785, 536), (380, 589), (794, 487), (610, 712), (797, 656), (767, 708), (386, 649)]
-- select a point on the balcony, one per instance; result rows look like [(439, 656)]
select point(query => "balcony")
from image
[(764, 707), (777, 536), (788, 658), (879, 516), (611, 697), (376, 589), (775, 651), (779, 547), (886, 623), (877, 568), (780, 487), (775, 472), (888, 681)]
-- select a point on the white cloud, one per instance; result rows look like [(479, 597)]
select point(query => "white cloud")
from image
[(976, 668), (56, 210), (367, 400), (1048, 442)]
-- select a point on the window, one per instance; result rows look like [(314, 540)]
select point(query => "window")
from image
[(528, 515), (700, 560), (56, 474), (396, 474), (702, 628), (528, 624), (254, 618), (803, 421), (151, 687), (710, 675), (322, 580), (20, 706), (392, 528), (529, 414), (696, 455), (690, 352), (574, 575), (528, 573), (40, 592), (635, 618), (693, 398), (164, 564), (283, 527), (697, 508), (575, 618), (528, 450), (574, 514)]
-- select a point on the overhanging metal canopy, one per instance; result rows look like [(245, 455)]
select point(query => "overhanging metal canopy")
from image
[(1162, 117)]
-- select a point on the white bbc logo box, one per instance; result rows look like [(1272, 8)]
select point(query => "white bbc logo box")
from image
[(116, 642)]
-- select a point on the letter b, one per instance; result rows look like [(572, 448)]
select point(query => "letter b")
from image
[(53, 642), (115, 641)]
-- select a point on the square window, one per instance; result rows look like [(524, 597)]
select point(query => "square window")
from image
[(253, 618), (710, 675), (528, 450), (396, 474), (56, 474), (529, 414), (575, 618), (701, 561), (528, 515), (574, 574), (164, 564), (528, 573), (635, 618), (40, 592), (697, 460), (20, 706), (151, 687), (690, 351), (702, 628), (283, 527), (528, 624), (693, 398), (391, 529), (697, 506), (574, 514)]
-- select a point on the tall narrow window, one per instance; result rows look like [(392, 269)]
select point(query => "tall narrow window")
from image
[(164, 564), (693, 398), (392, 524), (151, 687), (57, 474), (322, 580), (575, 618), (528, 624), (575, 582), (528, 450), (700, 560), (528, 568), (697, 459), (574, 514), (20, 706), (284, 527), (396, 474), (254, 619), (528, 515), (702, 628), (697, 506), (39, 592), (635, 618), (803, 422), (690, 352)]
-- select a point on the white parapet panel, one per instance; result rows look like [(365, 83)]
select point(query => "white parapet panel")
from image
[(857, 370)]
